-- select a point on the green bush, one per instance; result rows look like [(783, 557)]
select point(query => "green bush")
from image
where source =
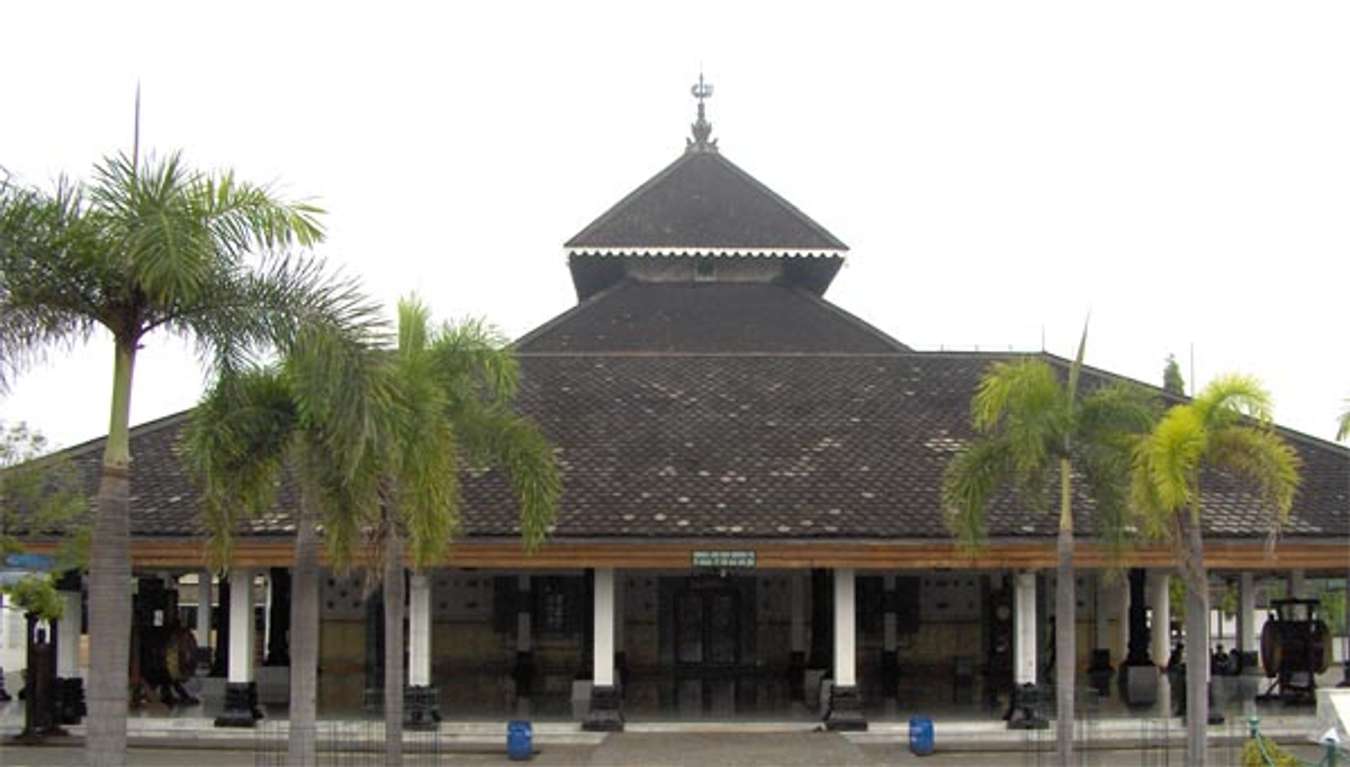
[(1252, 755)]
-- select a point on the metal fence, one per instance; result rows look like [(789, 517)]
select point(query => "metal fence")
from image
[(349, 743)]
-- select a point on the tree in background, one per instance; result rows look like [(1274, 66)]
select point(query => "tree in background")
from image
[(150, 247), (1173, 383), (1030, 425), (1227, 427)]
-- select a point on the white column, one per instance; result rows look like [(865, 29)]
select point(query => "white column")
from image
[(1159, 598), (888, 629), (620, 600), (204, 609), (845, 623), (68, 636), (602, 673), (1024, 628), (523, 615), (241, 626), (1246, 634), (797, 635), (419, 630), (267, 611)]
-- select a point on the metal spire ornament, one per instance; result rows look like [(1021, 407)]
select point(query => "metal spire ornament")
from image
[(702, 129)]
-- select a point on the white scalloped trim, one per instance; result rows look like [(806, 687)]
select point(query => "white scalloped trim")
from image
[(672, 252)]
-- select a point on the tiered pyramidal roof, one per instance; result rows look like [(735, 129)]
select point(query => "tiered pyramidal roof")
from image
[(703, 206)]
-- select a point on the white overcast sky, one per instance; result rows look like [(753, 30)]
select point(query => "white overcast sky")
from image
[(1180, 169)]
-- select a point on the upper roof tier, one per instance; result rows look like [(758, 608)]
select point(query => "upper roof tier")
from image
[(702, 205)]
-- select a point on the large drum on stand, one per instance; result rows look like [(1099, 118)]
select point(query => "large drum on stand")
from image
[(1295, 648)]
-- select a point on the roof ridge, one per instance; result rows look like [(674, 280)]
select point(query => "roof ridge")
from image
[(570, 313), (782, 201), (642, 188), (792, 211), (145, 427), (853, 319)]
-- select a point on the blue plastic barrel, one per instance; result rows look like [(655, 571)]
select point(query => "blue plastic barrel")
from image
[(920, 735), (519, 740)]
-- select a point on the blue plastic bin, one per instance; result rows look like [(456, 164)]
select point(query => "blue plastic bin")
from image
[(920, 735), (519, 740)]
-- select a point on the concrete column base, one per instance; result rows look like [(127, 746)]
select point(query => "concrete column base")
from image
[(797, 675), (523, 673), (606, 710), (1099, 672), (70, 704), (846, 711), (1249, 663), (1139, 685), (890, 674), (421, 708), (241, 705), (1028, 709)]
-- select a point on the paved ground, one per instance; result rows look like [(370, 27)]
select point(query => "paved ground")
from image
[(673, 750)]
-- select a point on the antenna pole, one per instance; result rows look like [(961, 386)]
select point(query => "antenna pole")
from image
[(136, 132), (1192, 368)]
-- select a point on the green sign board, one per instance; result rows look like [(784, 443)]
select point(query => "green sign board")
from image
[(724, 559)]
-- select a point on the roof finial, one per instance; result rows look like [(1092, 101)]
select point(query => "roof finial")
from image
[(702, 128)]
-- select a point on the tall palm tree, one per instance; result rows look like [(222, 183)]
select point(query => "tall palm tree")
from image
[(150, 247), (314, 416), (1030, 425), (454, 387), (1226, 428)]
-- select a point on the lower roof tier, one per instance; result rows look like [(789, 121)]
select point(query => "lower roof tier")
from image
[(793, 447)]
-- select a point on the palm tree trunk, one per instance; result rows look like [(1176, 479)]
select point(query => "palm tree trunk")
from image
[(304, 635), (1197, 640), (393, 648), (110, 579), (1066, 644)]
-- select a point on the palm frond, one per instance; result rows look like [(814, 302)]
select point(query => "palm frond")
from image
[(472, 360), (970, 480), (1146, 507), (497, 437), (427, 486), (1105, 468), (1026, 403), (414, 320), (49, 289), (1076, 369), (1173, 454), (1228, 398), (1261, 456), (236, 447), (1118, 413)]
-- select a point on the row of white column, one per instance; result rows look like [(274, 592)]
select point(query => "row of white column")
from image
[(608, 631)]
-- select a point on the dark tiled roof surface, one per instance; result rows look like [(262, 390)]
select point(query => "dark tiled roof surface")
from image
[(703, 200), (707, 317), (749, 446)]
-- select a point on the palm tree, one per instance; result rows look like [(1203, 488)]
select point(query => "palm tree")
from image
[(1030, 424), (1226, 428), (454, 386), (149, 247), (315, 417)]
